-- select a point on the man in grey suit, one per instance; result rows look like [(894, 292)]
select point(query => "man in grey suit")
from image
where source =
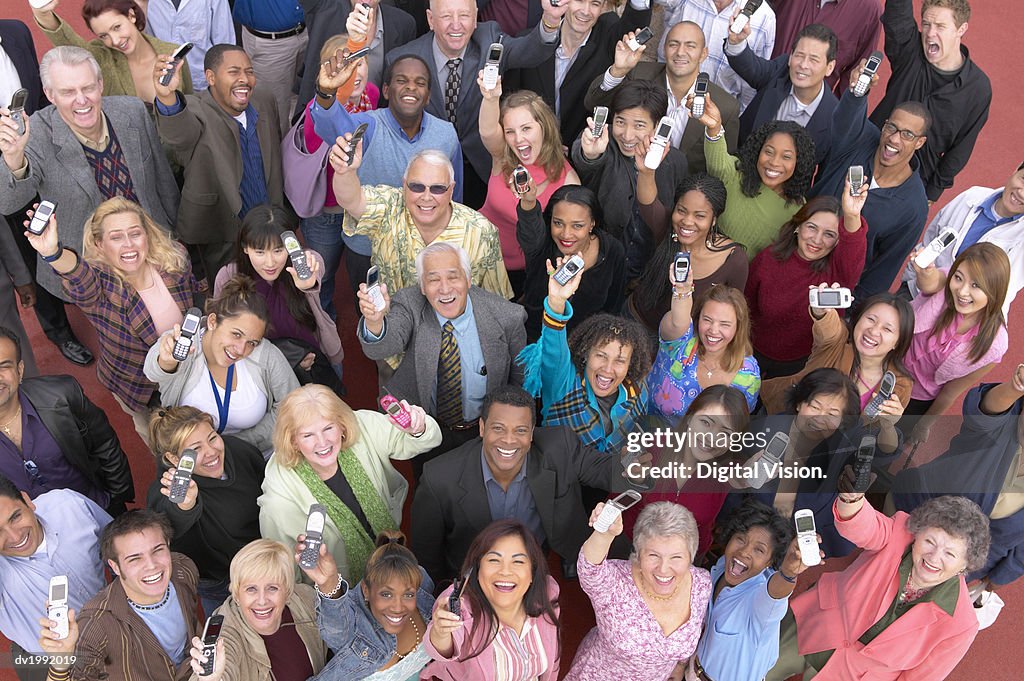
[(84, 149), (685, 50), (487, 332), (457, 48)]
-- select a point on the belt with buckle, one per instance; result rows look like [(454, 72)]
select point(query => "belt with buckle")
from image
[(278, 35), (469, 425), (699, 671)]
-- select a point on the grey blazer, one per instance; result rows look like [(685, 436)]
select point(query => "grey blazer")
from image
[(411, 327), (58, 171)]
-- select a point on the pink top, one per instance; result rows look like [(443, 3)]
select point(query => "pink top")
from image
[(500, 209), (933, 361), (628, 642), (368, 101), (162, 308)]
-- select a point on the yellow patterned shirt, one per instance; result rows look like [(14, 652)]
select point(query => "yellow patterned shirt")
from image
[(396, 240)]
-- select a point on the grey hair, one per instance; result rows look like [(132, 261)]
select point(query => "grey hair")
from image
[(432, 157), (68, 55), (664, 519), (958, 517), (439, 247)]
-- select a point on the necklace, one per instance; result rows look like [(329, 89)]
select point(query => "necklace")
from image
[(419, 639), (155, 606), (659, 598), (7, 426)]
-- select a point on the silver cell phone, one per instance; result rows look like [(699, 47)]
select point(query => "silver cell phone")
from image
[(700, 93), (640, 38), (662, 138), (862, 464), (373, 288), (17, 109), (176, 58), (297, 255), (772, 455), (600, 118), (743, 18), (681, 268), (314, 536), (189, 328), (569, 269), (838, 298), (870, 69), (884, 392), (807, 537), (614, 508), (856, 177), (182, 476), (935, 247), (211, 632), (41, 217), (358, 54), (57, 608), (493, 65), (357, 137), (521, 179)]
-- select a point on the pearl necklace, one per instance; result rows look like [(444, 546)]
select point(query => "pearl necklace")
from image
[(419, 639)]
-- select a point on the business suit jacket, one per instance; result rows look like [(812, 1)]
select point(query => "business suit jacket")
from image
[(591, 61), (16, 41), (411, 327), (692, 143), (523, 52), (325, 18), (450, 505), (771, 80), (14, 272), (203, 139), (57, 169)]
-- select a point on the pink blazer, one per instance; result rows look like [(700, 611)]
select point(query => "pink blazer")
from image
[(922, 645), (482, 667)]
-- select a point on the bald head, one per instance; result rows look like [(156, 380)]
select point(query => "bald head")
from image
[(685, 49)]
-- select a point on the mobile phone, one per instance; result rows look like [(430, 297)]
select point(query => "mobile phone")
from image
[(884, 392), (743, 18), (569, 269), (373, 288), (614, 508), (57, 609), (365, 8), (807, 537), (211, 632), (358, 54), (839, 298), (395, 410), (700, 92), (41, 217), (856, 176), (864, 79), (641, 37), (681, 268), (17, 109), (189, 328), (357, 136), (492, 65), (455, 597), (314, 536), (182, 476), (935, 247), (600, 118), (176, 58), (862, 464), (297, 255), (662, 138), (521, 179), (772, 455)]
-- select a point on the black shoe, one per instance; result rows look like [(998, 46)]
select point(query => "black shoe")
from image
[(569, 570), (75, 352)]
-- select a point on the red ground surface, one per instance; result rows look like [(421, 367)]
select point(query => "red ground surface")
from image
[(997, 154)]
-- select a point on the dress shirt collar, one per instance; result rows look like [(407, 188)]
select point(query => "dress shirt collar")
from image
[(809, 109), (441, 59), (97, 145)]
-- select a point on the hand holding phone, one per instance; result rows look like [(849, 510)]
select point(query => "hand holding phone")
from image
[(867, 73), (297, 255), (835, 298), (211, 632), (521, 180), (613, 509), (395, 411), (492, 67), (189, 328), (640, 38), (930, 253), (17, 109), (455, 597), (176, 58), (700, 93), (885, 389), (182, 477), (862, 464), (315, 522), (807, 537), (373, 288), (569, 269), (57, 606), (681, 268), (855, 175), (743, 18), (600, 118), (41, 217), (357, 137), (662, 138), (771, 457)]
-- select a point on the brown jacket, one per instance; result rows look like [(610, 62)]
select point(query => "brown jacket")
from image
[(114, 644), (831, 349)]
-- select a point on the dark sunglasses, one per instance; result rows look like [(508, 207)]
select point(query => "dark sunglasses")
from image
[(435, 189)]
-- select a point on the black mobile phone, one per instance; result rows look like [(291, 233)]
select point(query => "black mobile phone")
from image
[(700, 92), (641, 37), (357, 136), (176, 58), (315, 522), (211, 632), (182, 476), (884, 392), (458, 586), (862, 464), (17, 109), (297, 255), (189, 328)]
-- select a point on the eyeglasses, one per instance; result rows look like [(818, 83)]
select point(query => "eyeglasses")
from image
[(435, 189), (907, 135)]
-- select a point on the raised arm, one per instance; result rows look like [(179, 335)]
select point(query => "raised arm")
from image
[(678, 319), (490, 123), (347, 188)]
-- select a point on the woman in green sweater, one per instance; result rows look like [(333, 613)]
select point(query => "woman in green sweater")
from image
[(767, 182)]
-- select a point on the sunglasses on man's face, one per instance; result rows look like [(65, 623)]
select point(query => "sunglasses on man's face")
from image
[(435, 189)]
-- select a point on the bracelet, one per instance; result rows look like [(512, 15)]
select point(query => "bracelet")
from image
[(680, 295), (323, 95), (847, 500), (58, 674), (335, 591), (551, 28), (56, 256), (791, 580), (709, 138)]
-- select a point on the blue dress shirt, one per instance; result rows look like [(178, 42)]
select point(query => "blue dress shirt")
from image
[(985, 220), (516, 503)]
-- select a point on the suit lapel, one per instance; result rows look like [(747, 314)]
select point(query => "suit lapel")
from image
[(488, 330), (427, 353), (473, 500), (72, 158)]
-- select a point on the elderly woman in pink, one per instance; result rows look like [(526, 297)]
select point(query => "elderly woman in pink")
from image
[(649, 609)]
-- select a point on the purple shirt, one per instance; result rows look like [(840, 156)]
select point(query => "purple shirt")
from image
[(282, 323)]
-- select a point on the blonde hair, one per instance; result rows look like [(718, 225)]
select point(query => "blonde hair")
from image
[(549, 156), (164, 254), (263, 559), (302, 405), (169, 428), (333, 44)]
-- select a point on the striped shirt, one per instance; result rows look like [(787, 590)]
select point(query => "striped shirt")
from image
[(519, 657)]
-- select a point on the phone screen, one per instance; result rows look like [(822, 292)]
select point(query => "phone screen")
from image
[(828, 298), (947, 239), (372, 276), (291, 244), (190, 325), (19, 99), (59, 592), (701, 87), (805, 523), (872, 65), (626, 500), (394, 408), (494, 55), (187, 463), (315, 522), (213, 626), (776, 447), (664, 130)]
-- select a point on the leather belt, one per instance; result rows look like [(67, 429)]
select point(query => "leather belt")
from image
[(699, 671), (279, 35)]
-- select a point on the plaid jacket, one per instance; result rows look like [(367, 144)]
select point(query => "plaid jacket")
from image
[(123, 325)]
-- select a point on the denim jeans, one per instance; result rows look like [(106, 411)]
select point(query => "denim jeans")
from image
[(213, 593), (323, 235)]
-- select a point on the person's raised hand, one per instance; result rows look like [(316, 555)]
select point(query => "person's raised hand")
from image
[(358, 23), (593, 146), (626, 58), (368, 310), (614, 530), (45, 244), (48, 641), (335, 72), (13, 143), (325, 573), (561, 291), (310, 281), (853, 205), (339, 155), (855, 76), (191, 495), (163, 64), (198, 658)]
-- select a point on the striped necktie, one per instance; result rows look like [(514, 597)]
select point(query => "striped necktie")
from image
[(449, 378)]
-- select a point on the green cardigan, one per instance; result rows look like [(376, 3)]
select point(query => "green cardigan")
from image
[(753, 222), (117, 76)]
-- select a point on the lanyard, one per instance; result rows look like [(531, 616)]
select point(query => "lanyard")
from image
[(222, 407)]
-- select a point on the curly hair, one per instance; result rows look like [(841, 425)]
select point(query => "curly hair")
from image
[(960, 518), (601, 329), (794, 190), (752, 513), (549, 156), (785, 244)]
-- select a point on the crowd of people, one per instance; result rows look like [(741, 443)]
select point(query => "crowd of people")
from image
[(646, 306)]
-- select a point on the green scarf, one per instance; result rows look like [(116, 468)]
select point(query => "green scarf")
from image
[(358, 545)]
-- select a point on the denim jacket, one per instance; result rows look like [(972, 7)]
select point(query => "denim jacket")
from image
[(360, 644)]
